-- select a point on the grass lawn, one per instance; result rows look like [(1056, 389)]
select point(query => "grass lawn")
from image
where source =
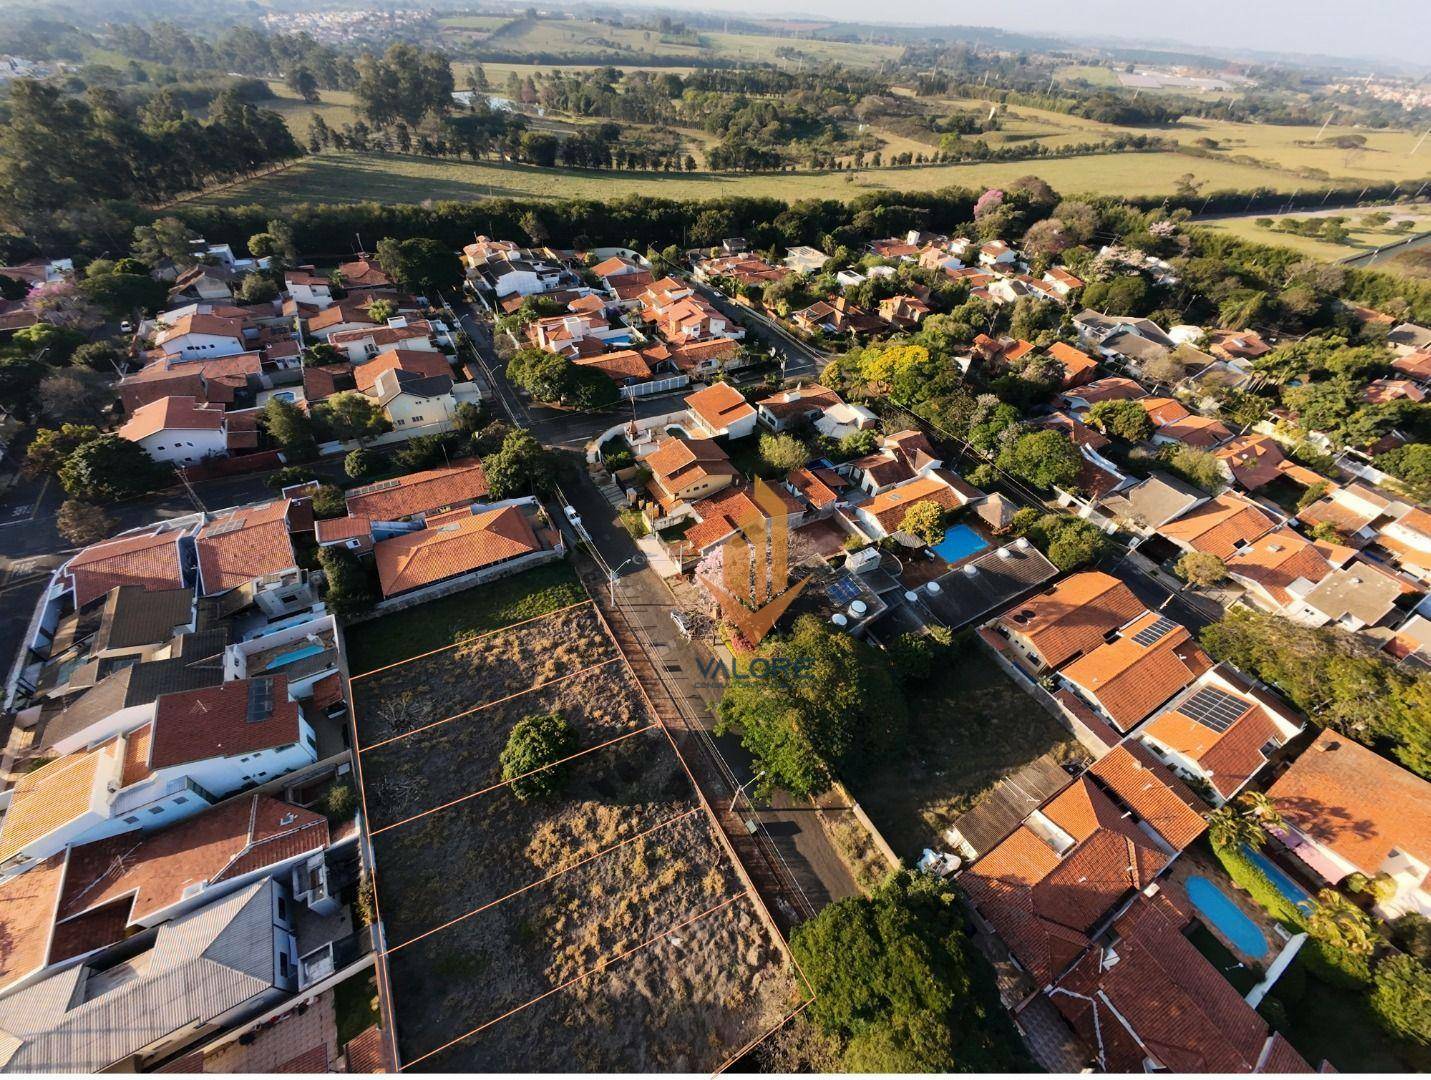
[(441, 622), (1362, 238), (968, 726), (355, 1001), (1335, 1023), (348, 176)]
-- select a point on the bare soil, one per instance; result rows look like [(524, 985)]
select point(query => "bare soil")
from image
[(485, 668)]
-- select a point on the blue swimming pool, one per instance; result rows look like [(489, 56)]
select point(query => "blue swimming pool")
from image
[(959, 542), (293, 657), (1219, 910), (1284, 885)]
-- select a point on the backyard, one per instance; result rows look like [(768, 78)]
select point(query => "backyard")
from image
[(975, 725), (599, 926)]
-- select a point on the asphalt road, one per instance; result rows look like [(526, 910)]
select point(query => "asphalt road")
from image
[(798, 360), (802, 843)]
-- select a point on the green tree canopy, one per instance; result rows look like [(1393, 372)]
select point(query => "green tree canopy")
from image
[(897, 981), (109, 468), (1125, 419), (346, 586), (290, 430), (522, 466), (536, 742), (829, 706), (1046, 459)]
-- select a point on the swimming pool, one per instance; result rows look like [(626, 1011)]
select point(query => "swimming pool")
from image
[(1283, 884), (1229, 919), (959, 542), (293, 657)]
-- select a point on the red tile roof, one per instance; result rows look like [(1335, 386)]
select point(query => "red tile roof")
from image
[(1221, 526), (1129, 679), (172, 414), (150, 871), (27, 910), (195, 725), (1153, 792), (1072, 617), (1253, 459), (363, 273), (453, 546), (719, 405), (1044, 903), (150, 561), (1161, 1000), (1355, 802), (418, 361), (344, 311), (458, 484), (244, 545)]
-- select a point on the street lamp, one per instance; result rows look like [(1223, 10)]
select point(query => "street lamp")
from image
[(742, 787), (617, 573)]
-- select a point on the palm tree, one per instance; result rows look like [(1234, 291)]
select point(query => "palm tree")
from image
[(1338, 922), (1244, 822)]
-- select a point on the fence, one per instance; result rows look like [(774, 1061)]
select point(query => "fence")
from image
[(219, 468)]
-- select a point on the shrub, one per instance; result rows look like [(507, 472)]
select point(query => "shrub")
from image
[(1401, 998), (536, 743), (362, 462)]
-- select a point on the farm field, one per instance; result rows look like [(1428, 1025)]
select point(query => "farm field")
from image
[(1362, 238), (337, 107), (340, 177), (598, 926)]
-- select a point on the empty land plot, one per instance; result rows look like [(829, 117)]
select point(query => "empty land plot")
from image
[(451, 619), (427, 689), (684, 1003), (975, 726), (491, 902)]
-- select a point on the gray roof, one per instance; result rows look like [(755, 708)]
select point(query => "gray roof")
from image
[(999, 812), (995, 580), (1356, 590), (1135, 346), (410, 382), (1417, 337), (135, 616), (1155, 501), (199, 968)]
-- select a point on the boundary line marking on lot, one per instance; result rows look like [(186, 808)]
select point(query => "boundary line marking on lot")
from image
[(602, 966), (748, 1047), (469, 641), (488, 704), (513, 780), (542, 881)]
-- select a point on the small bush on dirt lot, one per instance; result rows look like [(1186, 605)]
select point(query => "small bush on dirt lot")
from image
[(537, 741)]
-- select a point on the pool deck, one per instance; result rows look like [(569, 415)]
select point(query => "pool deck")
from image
[(1193, 863)]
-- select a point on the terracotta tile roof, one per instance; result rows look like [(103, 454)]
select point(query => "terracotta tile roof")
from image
[(687, 355), (1230, 757), (812, 397), (151, 870), (150, 561), (889, 507), (1129, 679), (134, 765), (1255, 460), (1073, 616), (1113, 388), (1018, 350), (194, 725), (1044, 903), (620, 365), (453, 547), (417, 361), (1064, 277), (720, 405), (367, 1052), (883, 468), (1079, 433), (1281, 557), (363, 273), (1163, 410), (678, 463), (347, 527), (1355, 802), (43, 800), (1077, 365), (1163, 1001), (416, 329), (1153, 792), (814, 486), (344, 311), (326, 380), (327, 692), (27, 910), (1417, 365), (243, 546), (199, 323), (172, 414), (458, 484), (1202, 432), (616, 266), (1220, 526)]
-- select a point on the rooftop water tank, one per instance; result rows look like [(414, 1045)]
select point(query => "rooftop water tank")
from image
[(933, 588), (857, 609), (839, 619)]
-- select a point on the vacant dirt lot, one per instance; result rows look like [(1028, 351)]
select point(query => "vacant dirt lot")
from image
[(490, 903), (485, 668)]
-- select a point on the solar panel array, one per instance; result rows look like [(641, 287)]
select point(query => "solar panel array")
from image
[(381, 485), (223, 528), (260, 700), (1155, 631), (1213, 708), (843, 590)]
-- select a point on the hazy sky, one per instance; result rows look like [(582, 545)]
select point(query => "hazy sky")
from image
[(1353, 28)]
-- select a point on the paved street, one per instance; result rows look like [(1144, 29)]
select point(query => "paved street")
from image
[(800, 361)]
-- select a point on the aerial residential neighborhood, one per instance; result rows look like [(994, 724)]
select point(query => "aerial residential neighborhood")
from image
[(662, 541)]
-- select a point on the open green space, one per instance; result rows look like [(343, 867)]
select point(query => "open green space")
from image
[(437, 623), (355, 1001), (1360, 237), (973, 725), (349, 176)]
